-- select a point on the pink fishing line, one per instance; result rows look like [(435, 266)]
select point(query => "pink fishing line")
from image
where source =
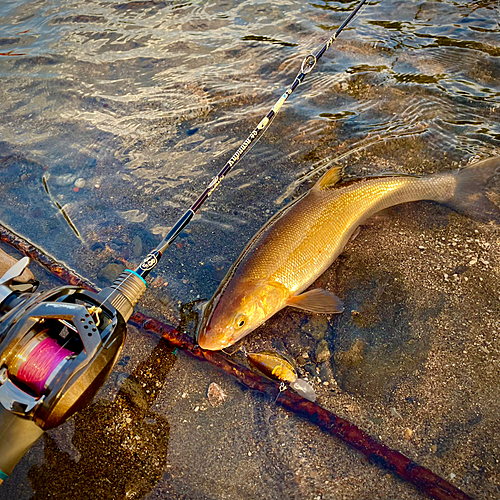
[(41, 362)]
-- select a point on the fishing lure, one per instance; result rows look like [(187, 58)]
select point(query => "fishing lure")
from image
[(277, 366)]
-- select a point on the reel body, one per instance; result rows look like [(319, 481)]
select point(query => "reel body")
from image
[(56, 350)]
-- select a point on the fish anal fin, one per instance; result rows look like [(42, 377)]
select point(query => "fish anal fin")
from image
[(329, 179), (355, 234), (378, 217), (317, 301)]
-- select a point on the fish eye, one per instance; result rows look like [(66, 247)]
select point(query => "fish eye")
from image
[(240, 320)]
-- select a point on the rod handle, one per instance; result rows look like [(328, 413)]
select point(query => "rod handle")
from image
[(17, 435)]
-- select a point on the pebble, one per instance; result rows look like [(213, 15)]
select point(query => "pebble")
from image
[(216, 395), (322, 353), (301, 360), (63, 180), (408, 434), (310, 369), (80, 182), (395, 413)]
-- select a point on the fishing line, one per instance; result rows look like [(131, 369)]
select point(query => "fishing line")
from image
[(39, 361), (308, 64)]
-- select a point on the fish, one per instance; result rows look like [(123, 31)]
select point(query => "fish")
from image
[(277, 366), (301, 242)]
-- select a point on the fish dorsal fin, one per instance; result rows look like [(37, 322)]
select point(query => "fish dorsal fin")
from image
[(329, 179)]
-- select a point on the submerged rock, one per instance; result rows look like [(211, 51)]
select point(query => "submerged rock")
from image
[(316, 326), (111, 271), (137, 246), (353, 357), (322, 353)]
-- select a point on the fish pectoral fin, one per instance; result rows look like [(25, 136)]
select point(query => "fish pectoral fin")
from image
[(317, 301), (329, 179)]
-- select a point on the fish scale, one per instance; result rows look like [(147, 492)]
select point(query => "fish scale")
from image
[(299, 243), (305, 240)]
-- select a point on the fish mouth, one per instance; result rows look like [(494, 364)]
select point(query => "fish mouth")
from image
[(210, 340), (211, 344)]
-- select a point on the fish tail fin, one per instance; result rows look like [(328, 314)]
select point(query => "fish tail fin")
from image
[(475, 194)]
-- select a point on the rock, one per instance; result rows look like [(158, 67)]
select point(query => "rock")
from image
[(80, 182), (301, 360), (310, 369), (137, 246), (132, 390), (316, 326), (111, 271), (62, 180), (326, 373), (353, 357), (322, 353), (216, 395)]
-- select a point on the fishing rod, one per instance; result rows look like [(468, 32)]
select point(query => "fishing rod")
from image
[(58, 347), (308, 64)]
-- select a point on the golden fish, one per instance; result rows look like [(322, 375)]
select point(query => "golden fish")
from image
[(299, 243)]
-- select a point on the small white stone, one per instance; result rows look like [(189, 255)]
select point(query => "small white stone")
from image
[(80, 182)]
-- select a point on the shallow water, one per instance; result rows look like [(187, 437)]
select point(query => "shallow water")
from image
[(114, 115)]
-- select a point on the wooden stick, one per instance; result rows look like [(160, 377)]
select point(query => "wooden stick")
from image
[(424, 479)]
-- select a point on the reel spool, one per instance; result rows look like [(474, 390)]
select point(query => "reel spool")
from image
[(37, 365)]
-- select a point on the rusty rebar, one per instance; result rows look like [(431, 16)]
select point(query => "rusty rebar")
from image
[(424, 479)]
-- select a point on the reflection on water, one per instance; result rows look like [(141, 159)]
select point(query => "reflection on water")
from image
[(145, 100), (114, 115)]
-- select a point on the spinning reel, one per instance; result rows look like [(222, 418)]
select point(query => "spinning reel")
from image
[(56, 350)]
